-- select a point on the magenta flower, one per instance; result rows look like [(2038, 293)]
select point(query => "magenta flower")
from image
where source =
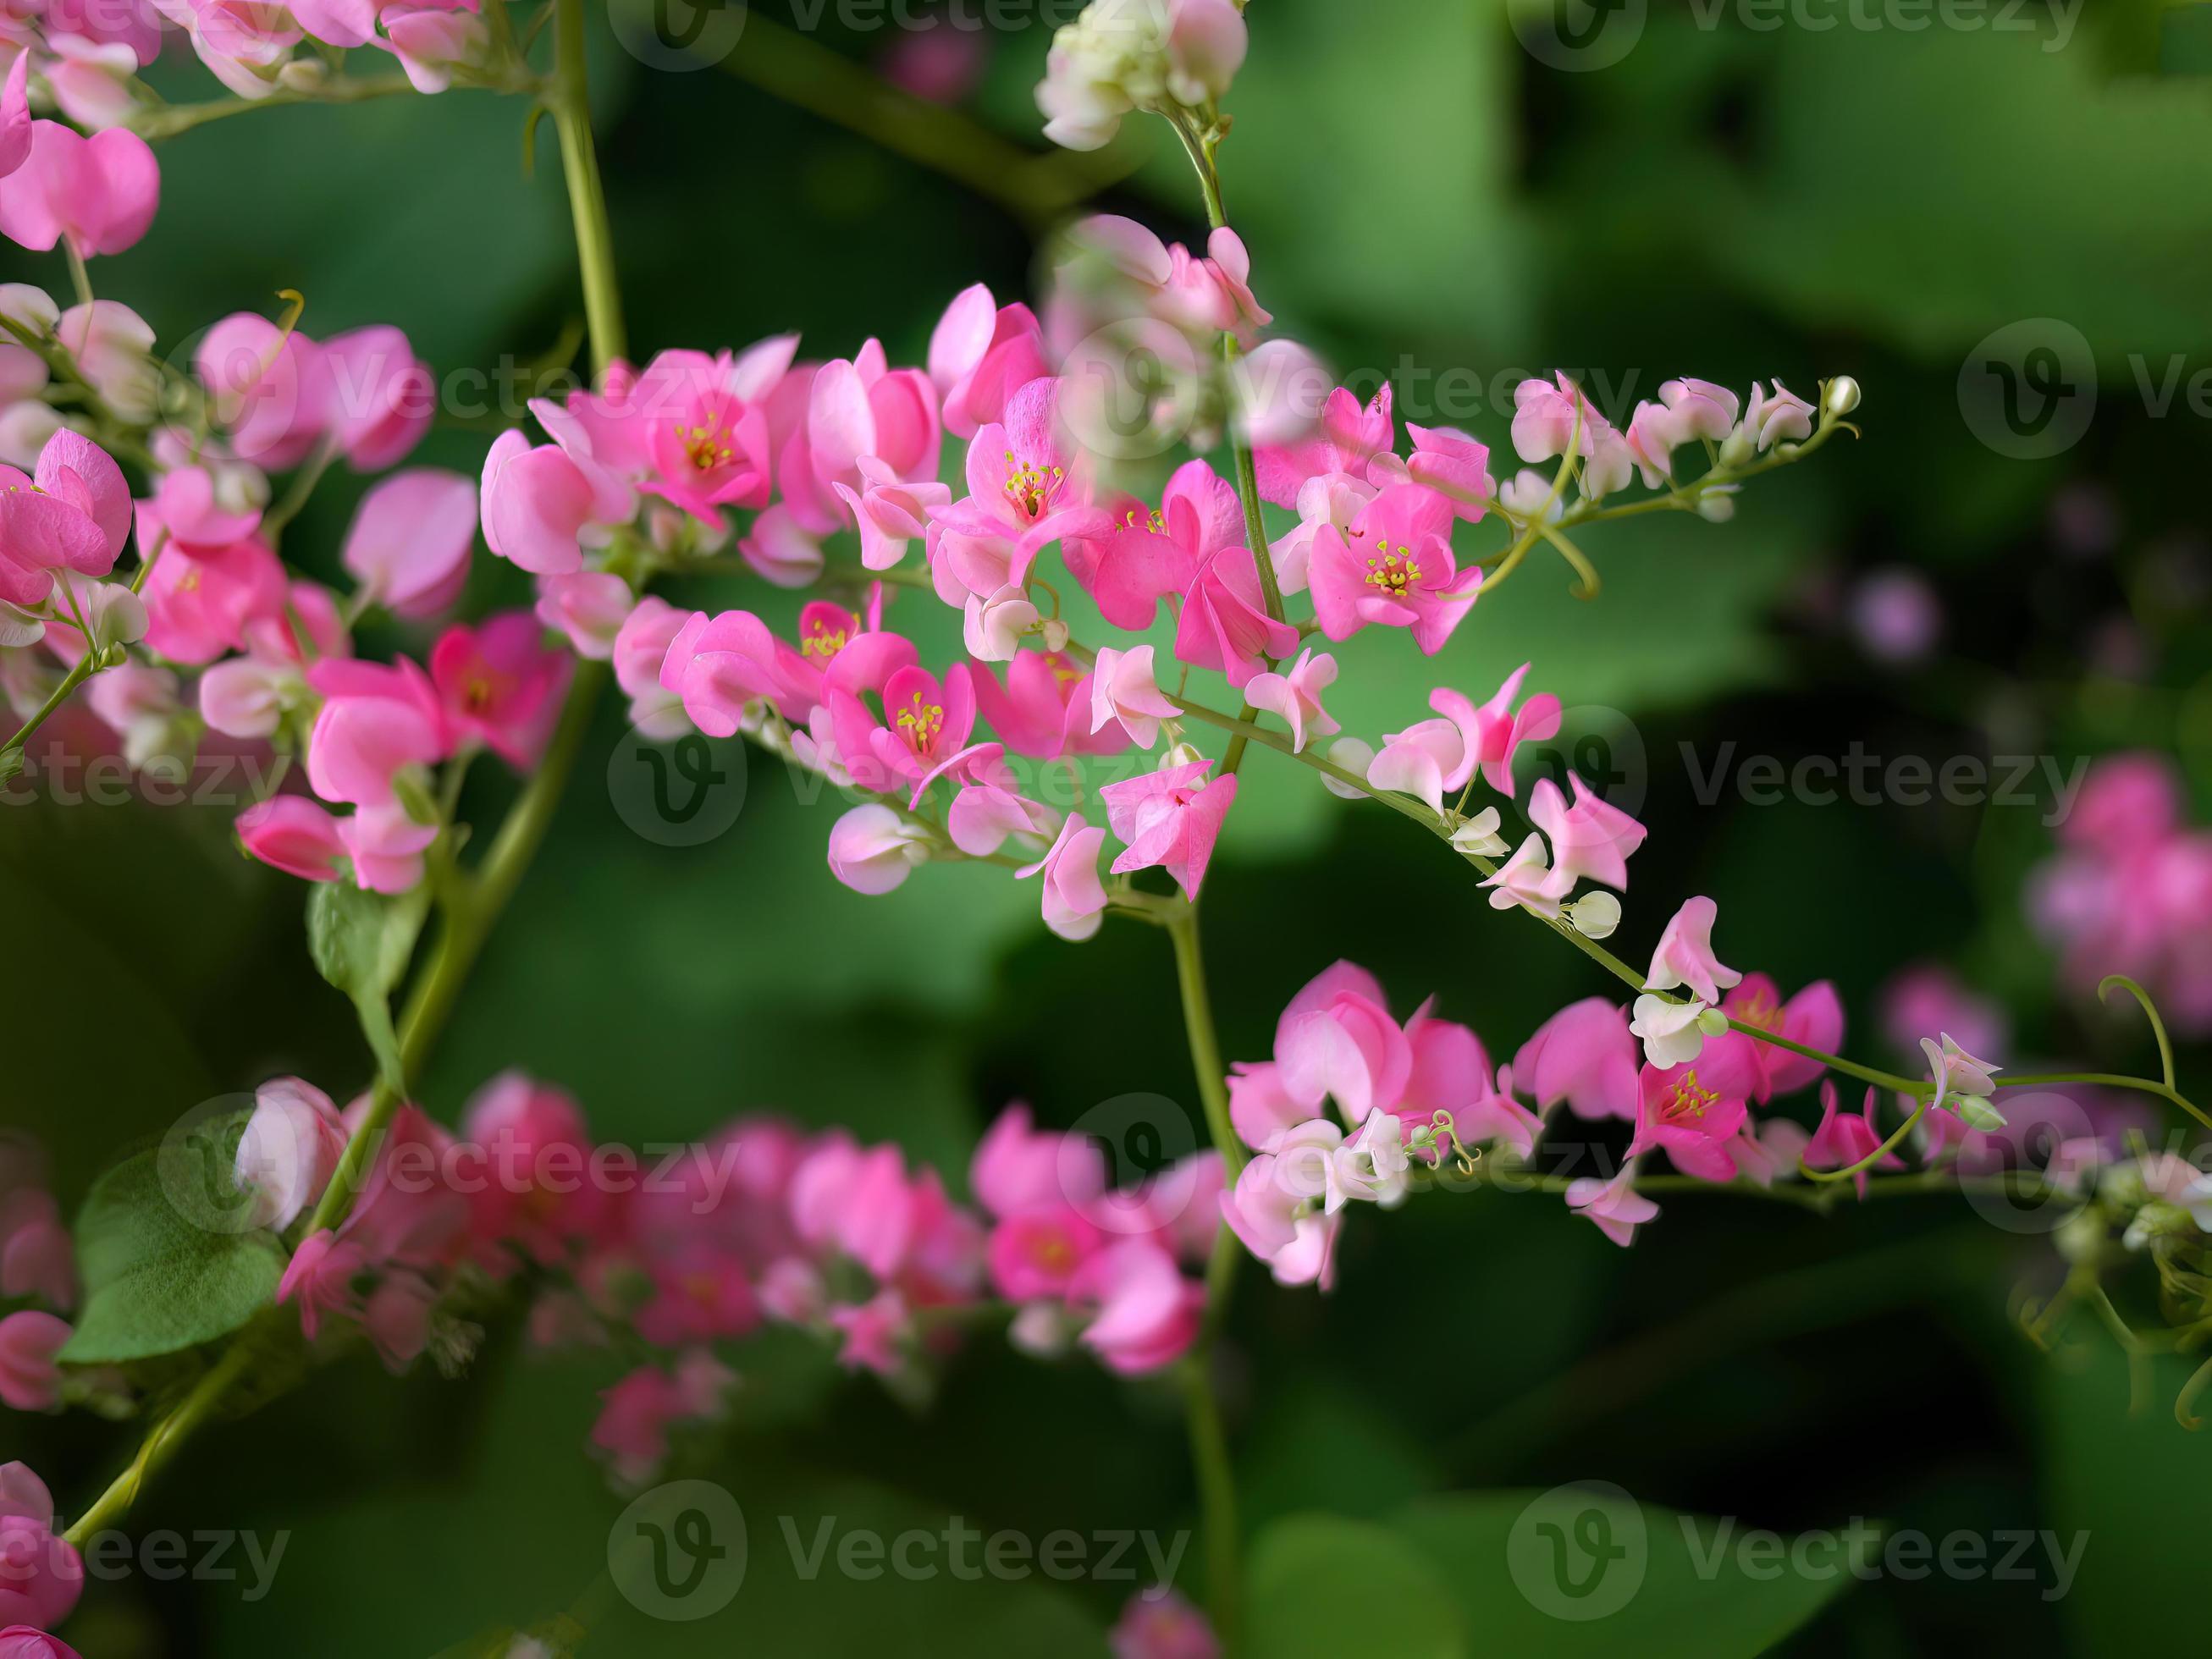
[(1454, 466), (1223, 624), (98, 193), (1036, 1252), (381, 396), (376, 721), (543, 505), (720, 665), (1494, 731), (876, 1333), (1044, 707), (1169, 818), (73, 514), (1814, 1016), (1692, 1112), (1842, 1141), (980, 354), (1146, 553), (502, 684), (706, 430), (925, 721), (1352, 436), (45, 1574), (37, 1258), (320, 1278), (293, 833), (22, 1642), (203, 602), (1393, 567), (1025, 493)]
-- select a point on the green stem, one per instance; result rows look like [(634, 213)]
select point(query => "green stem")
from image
[(1217, 1501), (1205, 1045), (69, 681), (569, 98), (171, 1433)]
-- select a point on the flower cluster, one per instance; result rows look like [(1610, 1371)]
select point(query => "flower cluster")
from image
[(2130, 890), (38, 1280)]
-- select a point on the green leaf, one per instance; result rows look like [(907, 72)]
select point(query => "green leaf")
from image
[(1589, 1571), (360, 941), (1326, 1586), (160, 1273)]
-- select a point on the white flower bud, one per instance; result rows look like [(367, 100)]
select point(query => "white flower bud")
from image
[(1843, 396), (1355, 756), (1595, 915)]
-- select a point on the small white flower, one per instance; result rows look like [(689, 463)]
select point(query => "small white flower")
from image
[(1478, 836), (1672, 1032), (1595, 915)]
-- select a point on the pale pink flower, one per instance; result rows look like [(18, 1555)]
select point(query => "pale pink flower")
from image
[(542, 507), (90, 84), (1289, 1233), (589, 607), (37, 1258), (409, 543), (993, 625), (1961, 1080), (980, 354), (1336, 1040), (1296, 696), (1615, 1206), (431, 41), (1124, 687), (890, 511), (1770, 418), (382, 396), (289, 1149), (1698, 409), (1074, 899), (1492, 732), (267, 388), (1169, 818), (1527, 880), (872, 849), (1684, 956), (1454, 466), (1147, 1313)]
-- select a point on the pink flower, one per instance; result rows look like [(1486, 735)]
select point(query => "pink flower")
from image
[(376, 721), (875, 1333), (1393, 567), (1292, 1234), (1036, 1252), (1591, 840), (381, 396), (1960, 1080), (1685, 956), (1615, 1206), (1296, 696), (1929, 998), (872, 849), (22, 1642), (431, 41), (502, 684), (1018, 1167), (1125, 688), (1351, 438), (1815, 1018), (1770, 418), (203, 602), (74, 514), (588, 608), (980, 354), (44, 1575), (293, 833), (1698, 409), (1584, 1056), (891, 511), (1691, 1112), (706, 435), (542, 505), (267, 388), (1074, 899), (1145, 555), (1147, 1313), (1841, 1141), (30, 1381), (320, 1276), (635, 1416), (701, 1293), (36, 1257), (1169, 818), (1161, 1625), (1023, 494), (641, 646), (15, 135), (1492, 733), (409, 546), (1223, 624), (1527, 880), (926, 721), (290, 1148), (718, 666), (859, 410), (1336, 1040), (1044, 707), (525, 1146), (99, 193), (1454, 466), (1549, 415)]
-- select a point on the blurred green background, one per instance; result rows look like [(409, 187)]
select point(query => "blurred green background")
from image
[(1420, 193)]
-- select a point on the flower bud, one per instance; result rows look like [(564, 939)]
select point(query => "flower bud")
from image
[(1978, 1113), (1595, 915), (1842, 396), (1736, 448), (1717, 506), (1355, 756), (1712, 1022), (1180, 754)]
